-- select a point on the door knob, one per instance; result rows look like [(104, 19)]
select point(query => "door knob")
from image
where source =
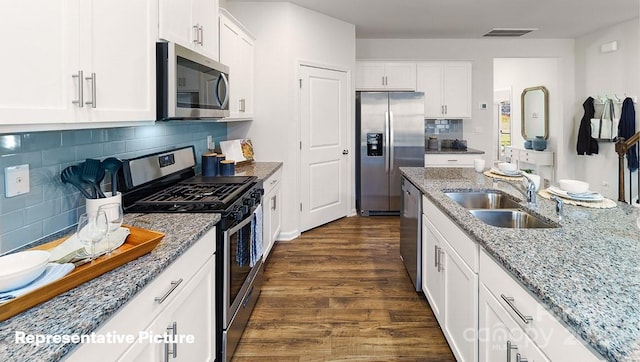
[(345, 152)]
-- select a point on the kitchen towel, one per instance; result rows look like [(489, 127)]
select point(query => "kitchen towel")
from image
[(52, 273), (243, 248), (256, 240)]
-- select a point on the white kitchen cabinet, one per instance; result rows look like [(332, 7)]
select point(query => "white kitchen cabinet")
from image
[(449, 283), (386, 76), (500, 336), (525, 317), (189, 320), (272, 212), (236, 52), (447, 88), (192, 24), (82, 68), (449, 159), (183, 293)]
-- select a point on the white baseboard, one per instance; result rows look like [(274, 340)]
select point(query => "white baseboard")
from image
[(288, 236)]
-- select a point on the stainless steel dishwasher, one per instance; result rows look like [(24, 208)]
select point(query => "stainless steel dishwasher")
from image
[(411, 231)]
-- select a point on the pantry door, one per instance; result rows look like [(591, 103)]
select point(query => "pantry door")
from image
[(324, 156)]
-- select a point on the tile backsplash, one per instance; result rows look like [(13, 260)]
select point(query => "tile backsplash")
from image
[(51, 205), (443, 128)]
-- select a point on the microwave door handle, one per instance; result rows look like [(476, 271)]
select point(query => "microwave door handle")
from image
[(222, 102)]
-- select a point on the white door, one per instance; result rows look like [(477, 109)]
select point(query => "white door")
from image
[(324, 154)]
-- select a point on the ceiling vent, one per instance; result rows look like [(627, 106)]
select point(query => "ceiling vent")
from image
[(508, 32)]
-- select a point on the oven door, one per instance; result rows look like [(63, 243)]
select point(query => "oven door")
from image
[(238, 272)]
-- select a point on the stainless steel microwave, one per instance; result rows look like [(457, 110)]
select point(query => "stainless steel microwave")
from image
[(189, 85)]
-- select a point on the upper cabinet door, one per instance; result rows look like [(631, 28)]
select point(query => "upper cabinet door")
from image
[(387, 76), (37, 84), (192, 24), (236, 51), (447, 88), (121, 57)]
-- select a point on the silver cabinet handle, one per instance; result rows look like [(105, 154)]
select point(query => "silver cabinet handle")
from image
[(80, 100), (510, 346), (201, 29), (520, 359), (509, 301), (446, 109), (274, 202), (435, 256), (440, 253), (92, 102), (173, 287), (196, 34), (173, 328)]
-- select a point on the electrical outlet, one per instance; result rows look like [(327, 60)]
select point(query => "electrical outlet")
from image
[(16, 180), (210, 144)]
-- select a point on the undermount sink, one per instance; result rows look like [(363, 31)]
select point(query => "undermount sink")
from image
[(514, 219), (497, 209), (483, 200)]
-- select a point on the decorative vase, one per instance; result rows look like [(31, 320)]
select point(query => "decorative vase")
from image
[(528, 145), (539, 143)]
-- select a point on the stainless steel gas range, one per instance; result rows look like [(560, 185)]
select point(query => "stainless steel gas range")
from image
[(166, 182)]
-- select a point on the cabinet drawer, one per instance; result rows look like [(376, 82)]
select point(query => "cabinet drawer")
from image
[(556, 340), (269, 183), (449, 160), (458, 239), (538, 158)]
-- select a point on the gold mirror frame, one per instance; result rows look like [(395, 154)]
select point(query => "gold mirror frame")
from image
[(533, 115)]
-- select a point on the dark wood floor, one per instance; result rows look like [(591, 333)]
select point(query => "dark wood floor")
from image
[(340, 293)]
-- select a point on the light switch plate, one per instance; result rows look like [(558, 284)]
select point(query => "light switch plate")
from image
[(16, 180)]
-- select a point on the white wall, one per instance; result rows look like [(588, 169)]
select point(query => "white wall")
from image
[(600, 74), (520, 73), (481, 131), (286, 35)]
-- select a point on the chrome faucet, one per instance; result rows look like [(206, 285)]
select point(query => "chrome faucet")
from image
[(559, 206), (529, 191)]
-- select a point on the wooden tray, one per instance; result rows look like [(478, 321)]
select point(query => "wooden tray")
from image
[(138, 242)]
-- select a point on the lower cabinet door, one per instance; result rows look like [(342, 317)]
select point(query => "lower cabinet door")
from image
[(185, 331), (461, 301), (501, 338), (432, 275)]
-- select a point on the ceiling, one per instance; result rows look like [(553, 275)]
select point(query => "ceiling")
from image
[(448, 19)]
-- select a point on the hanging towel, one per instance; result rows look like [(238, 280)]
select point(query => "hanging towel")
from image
[(586, 144), (256, 240), (626, 129), (243, 246)]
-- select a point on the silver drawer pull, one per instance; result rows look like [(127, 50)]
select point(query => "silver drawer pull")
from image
[(452, 160), (520, 358), (510, 346), (174, 285), (509, 301), (173, 328), (80, 100)]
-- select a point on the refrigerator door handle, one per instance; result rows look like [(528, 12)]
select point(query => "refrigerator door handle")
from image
[(391, 143), (386, 145)]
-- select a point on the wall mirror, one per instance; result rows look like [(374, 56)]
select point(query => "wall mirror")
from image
[(535, 112)]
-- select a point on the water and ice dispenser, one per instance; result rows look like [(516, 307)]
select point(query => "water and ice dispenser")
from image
[(374, 144)]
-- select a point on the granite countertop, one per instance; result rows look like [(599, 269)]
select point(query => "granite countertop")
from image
[(587, 271), (453, 151), (83, 309)]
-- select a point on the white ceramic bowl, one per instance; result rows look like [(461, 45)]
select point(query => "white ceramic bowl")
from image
[(573, 186), (507, 167), (19, 269)]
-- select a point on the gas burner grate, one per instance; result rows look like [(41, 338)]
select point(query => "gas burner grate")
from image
[(184, 197)]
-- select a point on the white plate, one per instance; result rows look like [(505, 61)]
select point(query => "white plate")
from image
[(587, 197), (518, 173)]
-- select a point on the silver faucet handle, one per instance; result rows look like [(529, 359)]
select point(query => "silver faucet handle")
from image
[(559, 206)]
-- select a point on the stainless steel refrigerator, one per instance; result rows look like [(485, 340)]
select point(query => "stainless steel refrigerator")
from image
[(390, 130)]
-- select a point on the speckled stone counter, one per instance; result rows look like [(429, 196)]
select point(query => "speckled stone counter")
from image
[(453, 151), (260, 169), (587, 271)]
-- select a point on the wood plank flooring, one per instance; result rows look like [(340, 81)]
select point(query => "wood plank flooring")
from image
[(341, 293)]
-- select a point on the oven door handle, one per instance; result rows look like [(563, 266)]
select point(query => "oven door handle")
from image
[(235, 229)]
